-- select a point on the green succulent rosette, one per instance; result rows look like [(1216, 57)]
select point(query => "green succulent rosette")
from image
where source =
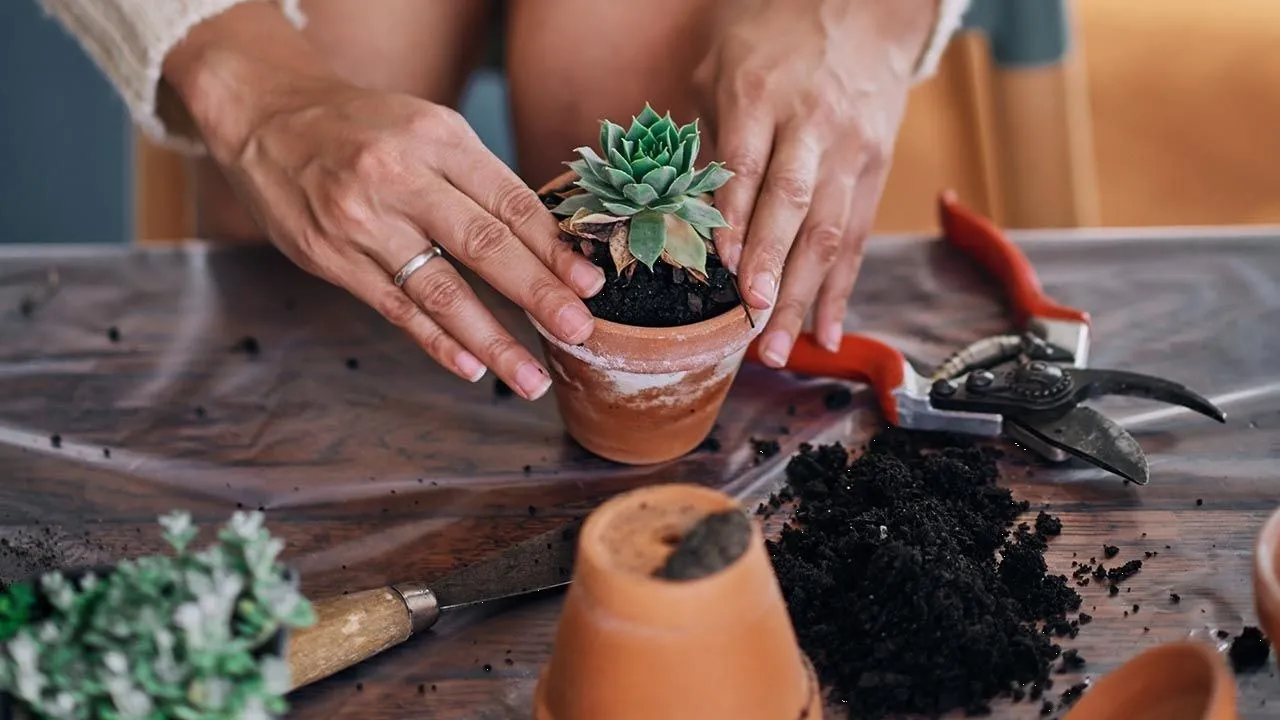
[(643, 183)]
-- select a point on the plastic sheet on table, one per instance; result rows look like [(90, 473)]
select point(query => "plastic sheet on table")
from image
[(376, 466)]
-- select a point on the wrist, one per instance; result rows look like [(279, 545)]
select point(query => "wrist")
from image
[(908, 25), (232, 71)]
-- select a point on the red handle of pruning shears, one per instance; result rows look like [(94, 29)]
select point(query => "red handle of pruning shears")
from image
[(984, 242), (860, 359)]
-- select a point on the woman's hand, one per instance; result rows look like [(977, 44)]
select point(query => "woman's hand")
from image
[(352, 183), (804, 99)]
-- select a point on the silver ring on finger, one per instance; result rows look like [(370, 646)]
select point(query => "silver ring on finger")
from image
[(415, 264)]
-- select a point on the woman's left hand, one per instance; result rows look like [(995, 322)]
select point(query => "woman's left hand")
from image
[(803, 99)]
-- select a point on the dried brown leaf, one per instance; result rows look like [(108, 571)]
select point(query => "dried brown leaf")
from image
[(592, 226), (620, 248)]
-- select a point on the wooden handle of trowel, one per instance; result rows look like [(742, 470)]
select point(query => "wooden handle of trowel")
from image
[(350, 629)]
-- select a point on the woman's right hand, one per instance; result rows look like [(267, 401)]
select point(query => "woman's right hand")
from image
[(352, 183)]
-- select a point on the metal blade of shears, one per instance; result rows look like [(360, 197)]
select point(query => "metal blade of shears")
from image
[(1092, 383), (1092, 437)]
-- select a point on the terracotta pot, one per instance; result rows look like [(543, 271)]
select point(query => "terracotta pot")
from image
[(631, 646), (1176, 681), (640, 395), (1266, 576)]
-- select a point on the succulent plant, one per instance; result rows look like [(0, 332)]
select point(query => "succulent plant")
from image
[(644, 197), (188, 636)]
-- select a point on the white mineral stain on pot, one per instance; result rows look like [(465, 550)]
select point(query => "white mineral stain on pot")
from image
[(627, 384)]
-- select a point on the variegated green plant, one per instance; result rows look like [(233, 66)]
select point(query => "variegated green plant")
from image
[(644, 197), (186, 636)]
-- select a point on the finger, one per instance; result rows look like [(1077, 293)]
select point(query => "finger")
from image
[(497, 190), (364, 278), (744, 139), (445, 296), (833, 297), (816, 250), (785, 197), (487, 246)]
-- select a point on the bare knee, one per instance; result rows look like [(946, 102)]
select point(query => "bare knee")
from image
[(622, 56)]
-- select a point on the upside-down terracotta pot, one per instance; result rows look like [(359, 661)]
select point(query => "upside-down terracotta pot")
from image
[(1266, 576), (643, 395), (1184, 680), (633, 646)]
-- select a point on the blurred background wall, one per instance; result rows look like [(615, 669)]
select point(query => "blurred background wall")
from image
[(1044, 113)]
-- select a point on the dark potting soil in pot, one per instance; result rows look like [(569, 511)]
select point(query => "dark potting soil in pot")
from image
[(907, 583), (711, 545), (663, 297)]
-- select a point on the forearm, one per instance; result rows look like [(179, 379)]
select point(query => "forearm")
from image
[(129, 41)]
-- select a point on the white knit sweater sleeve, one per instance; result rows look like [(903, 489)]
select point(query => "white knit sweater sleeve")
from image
[(129, 39), (950, 15)]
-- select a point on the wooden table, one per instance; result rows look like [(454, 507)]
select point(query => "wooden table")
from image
[(394, 471)]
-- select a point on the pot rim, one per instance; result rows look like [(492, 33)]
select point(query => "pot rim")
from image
[(1265, 552), (1221, 687)]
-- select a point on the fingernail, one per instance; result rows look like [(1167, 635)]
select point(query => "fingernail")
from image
[(775, 348), (587, 278), (470, 366), (532, 380), (575, 323), (763, 288), (732, 257), (829, 335)]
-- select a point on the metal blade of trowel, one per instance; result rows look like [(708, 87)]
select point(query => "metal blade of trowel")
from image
[(352, 628)]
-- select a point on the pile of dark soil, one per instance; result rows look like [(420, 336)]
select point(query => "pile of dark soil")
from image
[(663, 297), (907, 583)]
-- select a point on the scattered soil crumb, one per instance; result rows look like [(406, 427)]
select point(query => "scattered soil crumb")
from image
[(1048, 525), (113, 334), (918, 515), (1110, 551), (711, 444), (838, 399), (765, 449), (711, 545), (1072, 694), (353, 363), (1071, 660), (247, 345), (1175, 598), (55, 440), (1249, 650)]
